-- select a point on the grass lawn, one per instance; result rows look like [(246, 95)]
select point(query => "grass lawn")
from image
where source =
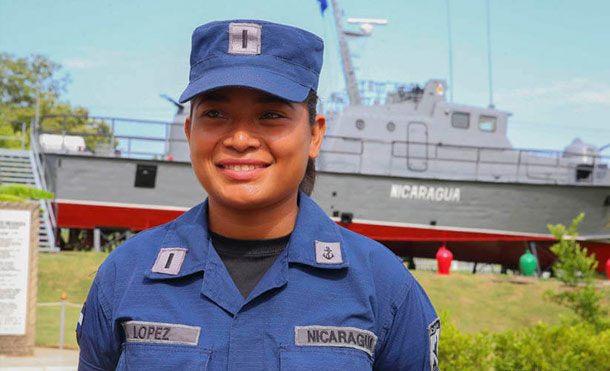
[(494, 302), (475, 302), (69, 272)]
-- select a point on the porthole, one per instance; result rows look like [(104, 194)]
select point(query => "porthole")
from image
[(391, 126), (360, 124)]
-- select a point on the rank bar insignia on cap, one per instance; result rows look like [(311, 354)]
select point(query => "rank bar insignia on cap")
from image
[(245, 38)]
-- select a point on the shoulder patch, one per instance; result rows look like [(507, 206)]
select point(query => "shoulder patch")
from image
[(79, 325), (434, 331)]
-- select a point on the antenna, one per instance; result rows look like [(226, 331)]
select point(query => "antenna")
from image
[(450, 51), (170, 99), (366, 25), (491, 94), (346, 60)]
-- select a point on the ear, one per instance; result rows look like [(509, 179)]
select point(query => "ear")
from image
[(187, 128), (317, 133)]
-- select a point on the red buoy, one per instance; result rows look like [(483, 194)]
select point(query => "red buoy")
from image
[(608, 268), (444, 258)]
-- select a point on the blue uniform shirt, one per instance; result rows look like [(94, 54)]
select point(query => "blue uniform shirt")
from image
[(333, 300)]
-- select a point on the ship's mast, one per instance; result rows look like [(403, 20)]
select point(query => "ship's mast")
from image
[(346, 59)]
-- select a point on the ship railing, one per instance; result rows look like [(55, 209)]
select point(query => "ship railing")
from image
[(119, 137), (372, 93), (21, 138), (482, 163)]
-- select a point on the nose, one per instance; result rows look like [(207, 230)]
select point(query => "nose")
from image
[(241, 139)]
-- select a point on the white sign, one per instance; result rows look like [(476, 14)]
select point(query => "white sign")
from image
[(14, 258), (425, 193)]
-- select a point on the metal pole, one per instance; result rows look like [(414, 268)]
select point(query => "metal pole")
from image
[(491, 94), (346, 59), (168, 130), (112, 137), (450, 52), (38, 107), (23, 130), (62, 322), (97, 245)]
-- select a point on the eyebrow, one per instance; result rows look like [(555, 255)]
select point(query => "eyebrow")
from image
[(267, 99), (274, 99)]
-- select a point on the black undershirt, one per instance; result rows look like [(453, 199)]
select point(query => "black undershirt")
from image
[(248, 260)]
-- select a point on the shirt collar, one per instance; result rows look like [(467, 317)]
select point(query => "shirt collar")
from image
[(190, 231)]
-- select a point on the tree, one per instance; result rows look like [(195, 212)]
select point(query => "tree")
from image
[(22, 82), (576, 269)]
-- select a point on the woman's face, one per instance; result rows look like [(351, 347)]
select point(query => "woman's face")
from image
[(249, 149)]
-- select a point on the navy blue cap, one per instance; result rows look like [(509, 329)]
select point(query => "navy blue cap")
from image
[(281, 60)]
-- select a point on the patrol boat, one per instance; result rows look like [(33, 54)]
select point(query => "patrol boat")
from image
[(399, 164)]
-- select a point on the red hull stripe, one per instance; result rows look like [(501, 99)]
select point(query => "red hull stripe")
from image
[(87, 215), (403, 233)]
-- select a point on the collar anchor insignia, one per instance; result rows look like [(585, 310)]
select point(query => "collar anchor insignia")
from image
[(328, 253)]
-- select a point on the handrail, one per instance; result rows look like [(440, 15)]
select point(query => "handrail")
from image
[(122, 139), (40, 179), (480, 155)]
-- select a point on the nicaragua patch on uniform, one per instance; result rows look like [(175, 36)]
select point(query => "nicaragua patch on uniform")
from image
[(169, 260), (328, 253), (434, 331), (245, 38), (160, 333), (332, 336)]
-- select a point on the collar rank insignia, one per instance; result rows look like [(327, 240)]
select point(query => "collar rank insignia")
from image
[(328, 253), (169, 260)]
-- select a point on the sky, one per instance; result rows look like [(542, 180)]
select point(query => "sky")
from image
[(550, 59)]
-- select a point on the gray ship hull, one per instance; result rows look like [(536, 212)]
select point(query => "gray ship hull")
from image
[(486, 222)]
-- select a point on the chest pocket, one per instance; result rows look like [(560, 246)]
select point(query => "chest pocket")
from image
[(161, 357), (324, 358)]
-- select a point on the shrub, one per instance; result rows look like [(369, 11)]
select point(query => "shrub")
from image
[(459, 351), (541, 347), (576, 269)]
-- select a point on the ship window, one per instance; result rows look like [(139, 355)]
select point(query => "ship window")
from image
[(460, 120), (391, 126), (360, 124), (145, 176), (584, 173), (487, 123)]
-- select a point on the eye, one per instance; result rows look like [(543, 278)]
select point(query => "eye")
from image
[(213, 114), (271, 116)]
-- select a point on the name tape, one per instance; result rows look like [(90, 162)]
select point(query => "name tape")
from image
[(331, 336), (160, 333)]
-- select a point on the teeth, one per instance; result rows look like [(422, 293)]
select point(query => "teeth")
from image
[(242, 167)]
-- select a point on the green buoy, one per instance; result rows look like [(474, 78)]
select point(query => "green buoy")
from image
[(527, 264)]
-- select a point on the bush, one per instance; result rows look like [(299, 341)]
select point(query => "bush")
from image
[(538, 348), (458, 351), (576, 269), (544, 347)]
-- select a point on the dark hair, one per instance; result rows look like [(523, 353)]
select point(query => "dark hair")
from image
[(309, 179)]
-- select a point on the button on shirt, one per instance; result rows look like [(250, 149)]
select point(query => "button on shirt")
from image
[(333, 299)]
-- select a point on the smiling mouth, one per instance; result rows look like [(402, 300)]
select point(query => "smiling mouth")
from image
[(242, 167)]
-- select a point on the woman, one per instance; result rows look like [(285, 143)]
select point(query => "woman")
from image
[(257, 277)]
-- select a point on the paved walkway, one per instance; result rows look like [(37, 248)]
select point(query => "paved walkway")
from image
[(44, 359)]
